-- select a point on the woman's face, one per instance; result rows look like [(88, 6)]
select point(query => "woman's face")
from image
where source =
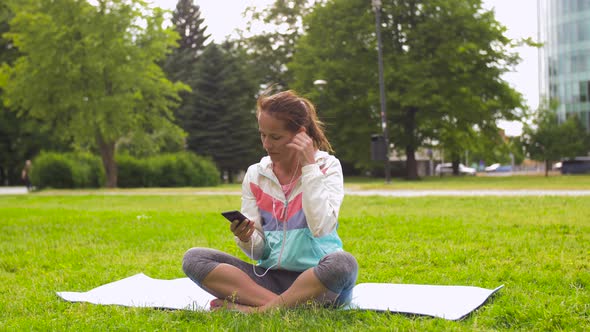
[(275, 136)]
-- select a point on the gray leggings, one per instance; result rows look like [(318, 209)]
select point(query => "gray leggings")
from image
[(336, 271)]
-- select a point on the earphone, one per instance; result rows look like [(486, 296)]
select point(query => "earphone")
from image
[(274, 216)]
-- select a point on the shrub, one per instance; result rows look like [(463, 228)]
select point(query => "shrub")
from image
[(206, 173), (183, 169), (133, 172), (89, 169), (67, 170)]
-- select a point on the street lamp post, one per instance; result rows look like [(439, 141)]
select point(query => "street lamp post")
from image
[(377, 8)]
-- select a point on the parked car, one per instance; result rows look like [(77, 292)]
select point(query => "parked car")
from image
[(578, 165), (497, 168), (447, 168), (492, 167)]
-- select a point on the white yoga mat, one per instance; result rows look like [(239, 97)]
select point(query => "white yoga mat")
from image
[(448, 302)]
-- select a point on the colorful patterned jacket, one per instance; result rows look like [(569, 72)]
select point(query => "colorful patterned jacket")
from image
[(293, 233)]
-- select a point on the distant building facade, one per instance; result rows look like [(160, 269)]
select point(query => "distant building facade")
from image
[(564, 28)]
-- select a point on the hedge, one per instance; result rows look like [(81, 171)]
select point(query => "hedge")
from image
[(183, 169), (67, 170), (83, 170)]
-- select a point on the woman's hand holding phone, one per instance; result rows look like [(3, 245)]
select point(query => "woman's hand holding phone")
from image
[(243, 230), (241, 226)]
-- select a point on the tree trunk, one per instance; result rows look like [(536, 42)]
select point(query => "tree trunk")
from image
[(411, 165), (547, 165), (410, 126), (107, 153), (455, 162)]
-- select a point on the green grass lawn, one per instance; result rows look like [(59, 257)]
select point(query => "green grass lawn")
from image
[(481, 181), (530, 182), (538, 247)]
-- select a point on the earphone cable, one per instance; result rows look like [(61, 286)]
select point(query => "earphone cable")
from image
[(274, 216)]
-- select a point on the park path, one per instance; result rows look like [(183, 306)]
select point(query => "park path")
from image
[(468, 192), (13, 190), (389, 193)]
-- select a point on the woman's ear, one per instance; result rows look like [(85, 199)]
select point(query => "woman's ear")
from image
[(302, 130)]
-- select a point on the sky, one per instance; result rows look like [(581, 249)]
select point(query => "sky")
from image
[(222, 17)]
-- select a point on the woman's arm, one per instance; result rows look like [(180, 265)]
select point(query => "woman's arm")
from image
[(323, 192), (254, 248)]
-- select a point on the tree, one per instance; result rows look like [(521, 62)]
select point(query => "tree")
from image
[(496, 150), (166, 138), (180, 63), (20, 138), (443, 64), (8, 52), (222, 123), (467, 66), (270, 51), (187, 21), (90, 72), (337, 47), (548, 140), (8, 122)]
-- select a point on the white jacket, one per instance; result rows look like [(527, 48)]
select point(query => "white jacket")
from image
[(294, 232)]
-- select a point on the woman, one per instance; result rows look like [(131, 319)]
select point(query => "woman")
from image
[(291, 199), (26, 175)]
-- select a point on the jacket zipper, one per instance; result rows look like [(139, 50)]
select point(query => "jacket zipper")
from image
[(284, 233), (275, 180)]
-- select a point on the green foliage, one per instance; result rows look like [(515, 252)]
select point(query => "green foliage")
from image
[(339, 47), (8, 53), (167, 170), (90, 72), (67, 170), (222, 124), (270, 51), (455, 82), (546, 139), (217, 114), (134, 172), (443, 64), (180, 64), (167, 138), (189, 25), (21, 139), (52, 170)]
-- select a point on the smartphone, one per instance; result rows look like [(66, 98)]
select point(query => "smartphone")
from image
[(234, 215)]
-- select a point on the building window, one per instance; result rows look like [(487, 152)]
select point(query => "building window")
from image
[(583, 30), (553, 92)]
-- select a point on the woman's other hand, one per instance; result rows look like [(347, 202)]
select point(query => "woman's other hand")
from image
[(304, 145)]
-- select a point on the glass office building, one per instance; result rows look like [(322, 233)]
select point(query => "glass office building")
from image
[(564, 28)]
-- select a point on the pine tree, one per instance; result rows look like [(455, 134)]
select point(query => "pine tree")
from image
[(222, 124), (180, 63), (189, 25)]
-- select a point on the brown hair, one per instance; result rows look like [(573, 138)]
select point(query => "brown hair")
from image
[(297, 112)]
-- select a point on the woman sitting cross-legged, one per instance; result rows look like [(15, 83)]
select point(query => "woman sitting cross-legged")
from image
[(291, 199)]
